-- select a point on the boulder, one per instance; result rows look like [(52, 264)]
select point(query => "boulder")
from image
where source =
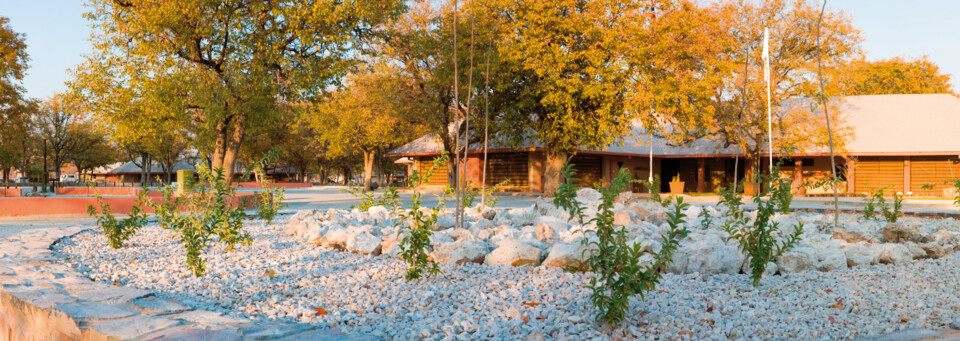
[(390, 245), (568, 255), (830, 259), (934, 250), (854, 236), (378, 211), (901, 233), (513, 252), (797, 259), (622, 218), (708, 258), (444, 222), (915, 250), (488, 214), (295, 227), (891, 253), (588, 195), (693, 211), (545, 232), (364, 243), (336, 238), (862, 254), (460, 252)]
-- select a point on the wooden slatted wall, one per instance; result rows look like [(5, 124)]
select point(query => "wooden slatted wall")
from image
[(439, 177), (932, 170), (876, 172), (509, 166), (589, 169)]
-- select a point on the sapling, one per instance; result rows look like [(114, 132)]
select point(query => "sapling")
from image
[(566, 195), (732, 199), (779, 189), (758, 242), (615, 261), (653, 186), (119, 231), (415, 245)]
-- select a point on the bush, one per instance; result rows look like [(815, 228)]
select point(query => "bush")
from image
[(758, 242), (389, 198), (732, 199), (566, 194), (653, 187), (779, 189), (878, 196), (208, 214), (415, 247), (119, 231), (618, 274)]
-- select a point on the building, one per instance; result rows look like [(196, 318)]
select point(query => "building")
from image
[(901, 141), (129, 173)]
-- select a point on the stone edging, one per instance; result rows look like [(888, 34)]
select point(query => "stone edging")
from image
[(43, 300)]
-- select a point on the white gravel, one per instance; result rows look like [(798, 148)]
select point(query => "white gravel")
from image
[(368, 295)]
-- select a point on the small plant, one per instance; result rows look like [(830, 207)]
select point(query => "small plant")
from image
[(869, 210), (676, 178), (758, 242), (653, 186), (707, 219), (415, 246), (779, 189), (468, 196), (890, 215), (119, 231), (616, 262), (492, 199), (271, 202), (566, 195), (389, 198), (955, 183), (732, 199)]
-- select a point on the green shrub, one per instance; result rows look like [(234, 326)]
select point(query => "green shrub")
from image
[(653, 187), (566, 195), (732, 199), (879, 195), (206, 214), (389, 198), (618, 274), (492, 199), (415, 247), (707, 219), (758, 242), (119, 231)]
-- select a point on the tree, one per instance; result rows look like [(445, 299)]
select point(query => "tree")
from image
[(15, 110), (92, 149), (741, 118), (896, 75), (364, 116), (222, 65), (53, 123), (572, 72)]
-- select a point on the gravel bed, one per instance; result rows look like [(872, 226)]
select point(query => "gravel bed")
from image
[(368, 295)]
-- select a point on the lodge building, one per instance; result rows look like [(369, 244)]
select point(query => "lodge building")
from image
[(900, 141)]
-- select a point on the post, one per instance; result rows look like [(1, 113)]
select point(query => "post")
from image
[(44, 173), (906, 175), (851, 176), (798, 175), (701, 175)]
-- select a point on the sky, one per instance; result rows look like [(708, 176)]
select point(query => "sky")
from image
[(56, 34)]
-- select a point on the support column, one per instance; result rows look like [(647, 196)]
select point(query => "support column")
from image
[(798, 176), (701, 175), (851, 176), (906, 175)]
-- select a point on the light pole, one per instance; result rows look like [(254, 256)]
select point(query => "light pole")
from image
[(44, 164)]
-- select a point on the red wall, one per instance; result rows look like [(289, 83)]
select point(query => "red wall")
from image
[(29, 206), (102, 190), (275, 185), (10, 192)]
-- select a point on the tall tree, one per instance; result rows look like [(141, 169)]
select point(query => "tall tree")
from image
[(15, 110), (53, 123), (225, 64), (92, 148), (365, 116), (896, 75), (793, 68)]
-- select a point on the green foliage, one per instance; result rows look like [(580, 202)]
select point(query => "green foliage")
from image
[(889, 214), (616, 262), (653, 187), (676, 178), (271, 201), (415, 246), (206, 214), (758, 242), (389, 198), (492, 199), (779, 189), (119, 231), (732, 198), (955, 183), (707, 219), (566, 195)]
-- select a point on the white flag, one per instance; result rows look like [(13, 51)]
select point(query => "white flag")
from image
[(766, 55)]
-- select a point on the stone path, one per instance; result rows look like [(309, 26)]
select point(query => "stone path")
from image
[(42, 300)]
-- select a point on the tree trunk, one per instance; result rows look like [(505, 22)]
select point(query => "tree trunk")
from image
[(551, 171), (368, 158)]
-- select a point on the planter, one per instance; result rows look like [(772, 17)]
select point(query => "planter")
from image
[(676, 187), (751, 188)]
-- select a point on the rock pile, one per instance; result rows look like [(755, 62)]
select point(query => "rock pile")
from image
[(546, 235)]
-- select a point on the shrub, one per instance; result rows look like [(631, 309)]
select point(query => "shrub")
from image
[(707, 219), (271, 201), (119, 231), (618, 274), (492, 199), (779, 189), (732, 199), (389, 198), (566, 195), (758, 242), (415, 246), (208, 214), (653, 186)]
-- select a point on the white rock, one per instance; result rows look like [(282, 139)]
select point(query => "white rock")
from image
[(568, 255), (707, 258), (588, 195), (461, 251), (797, 259), (364, 243), (830, 259), (892, 253), (862, 254), (513, 252)]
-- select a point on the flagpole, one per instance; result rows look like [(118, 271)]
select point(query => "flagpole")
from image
[(766, 69)]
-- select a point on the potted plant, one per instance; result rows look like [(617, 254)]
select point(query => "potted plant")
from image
[(752, 187), (676, 186)]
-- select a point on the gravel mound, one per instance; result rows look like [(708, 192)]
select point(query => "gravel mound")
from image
[(280, 277)]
